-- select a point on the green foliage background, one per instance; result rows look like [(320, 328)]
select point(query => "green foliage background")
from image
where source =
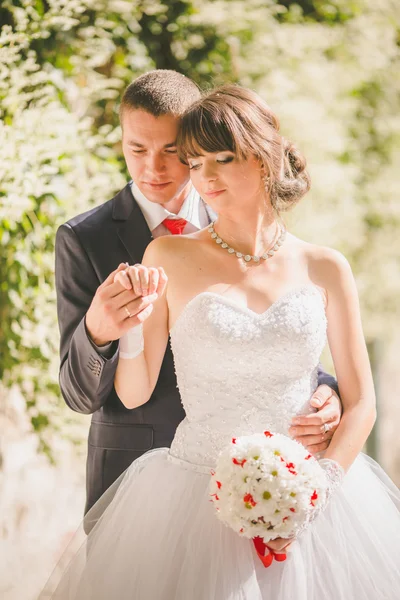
[(328, 68)]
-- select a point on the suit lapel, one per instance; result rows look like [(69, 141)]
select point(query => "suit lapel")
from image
[(132, 228)]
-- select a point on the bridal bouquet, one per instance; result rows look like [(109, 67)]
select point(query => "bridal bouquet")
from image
[(267, 486)]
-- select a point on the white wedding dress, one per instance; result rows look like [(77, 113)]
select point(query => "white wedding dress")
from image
[(154, 533)]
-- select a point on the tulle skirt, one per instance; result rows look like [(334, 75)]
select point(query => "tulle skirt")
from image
[(154, 536)]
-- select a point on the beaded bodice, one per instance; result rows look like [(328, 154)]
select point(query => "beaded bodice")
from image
[(240, 372)]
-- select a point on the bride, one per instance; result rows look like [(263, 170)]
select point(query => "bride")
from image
[(248, 308)]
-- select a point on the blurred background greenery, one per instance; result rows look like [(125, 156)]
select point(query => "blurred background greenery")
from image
[(330, 70)]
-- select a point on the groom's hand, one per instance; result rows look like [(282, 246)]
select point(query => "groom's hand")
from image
[(315, 430), (107, 318)]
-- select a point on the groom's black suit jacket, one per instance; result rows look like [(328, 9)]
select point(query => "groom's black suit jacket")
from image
[(88, 248)]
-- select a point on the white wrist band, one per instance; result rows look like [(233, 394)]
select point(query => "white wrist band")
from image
[(132, 343)]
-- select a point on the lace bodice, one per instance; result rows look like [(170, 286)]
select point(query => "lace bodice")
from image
[(240, 372)]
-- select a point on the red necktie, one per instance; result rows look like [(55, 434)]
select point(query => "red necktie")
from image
[(175, 226)]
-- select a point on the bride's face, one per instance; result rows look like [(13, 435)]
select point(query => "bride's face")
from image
[(226, 183)]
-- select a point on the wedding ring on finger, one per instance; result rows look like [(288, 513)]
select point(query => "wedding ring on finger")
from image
[(326, 428), (127, 312)]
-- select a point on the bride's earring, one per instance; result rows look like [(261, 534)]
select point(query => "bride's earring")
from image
[(266, 181)]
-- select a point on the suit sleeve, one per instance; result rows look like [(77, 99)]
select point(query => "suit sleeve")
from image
[(86, 376), (326, 379)]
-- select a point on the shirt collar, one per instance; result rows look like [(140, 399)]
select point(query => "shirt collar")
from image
[(155, 213)]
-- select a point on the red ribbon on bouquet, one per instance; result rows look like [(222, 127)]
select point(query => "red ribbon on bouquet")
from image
[(265, 554)]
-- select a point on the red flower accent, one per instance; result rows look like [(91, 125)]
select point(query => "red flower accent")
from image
[(212, 472), (248, 498), (292, 509), (268, 434), (282, 459), (215, 495), (233, 440), (291, 468), (313, 498), (239, 462), (241, 531), (308, 456), (285, 519), (219, 484)]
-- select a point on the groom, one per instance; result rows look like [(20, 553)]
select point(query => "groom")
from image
[(91, 308)]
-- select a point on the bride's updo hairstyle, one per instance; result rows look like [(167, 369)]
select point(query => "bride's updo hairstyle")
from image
[(237, 119)]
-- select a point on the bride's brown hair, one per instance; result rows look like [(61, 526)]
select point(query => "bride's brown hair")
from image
[(237, 119)]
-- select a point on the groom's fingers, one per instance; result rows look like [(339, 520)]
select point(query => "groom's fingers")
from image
[(137, 306), (110, 278), (315, 449), (321, 395), (325, 415), (310, 429), (115, 283), (123, 299), (140, 310), (314, 440), (122, 278)]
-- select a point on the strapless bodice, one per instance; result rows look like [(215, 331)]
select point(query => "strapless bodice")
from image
[(240, 372)]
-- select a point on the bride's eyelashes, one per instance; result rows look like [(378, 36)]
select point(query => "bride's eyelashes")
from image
[(221, 161), (225, 161)]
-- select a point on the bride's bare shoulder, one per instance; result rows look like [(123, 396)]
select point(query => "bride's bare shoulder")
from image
[(326, 266), (321, 255), (167, 249)]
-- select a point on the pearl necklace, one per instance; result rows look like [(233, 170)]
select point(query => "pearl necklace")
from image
[(248, 257)]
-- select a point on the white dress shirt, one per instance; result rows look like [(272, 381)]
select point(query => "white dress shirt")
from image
[(194, 210)]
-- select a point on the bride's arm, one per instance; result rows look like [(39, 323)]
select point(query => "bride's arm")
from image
[(136, 377), (350, 357)]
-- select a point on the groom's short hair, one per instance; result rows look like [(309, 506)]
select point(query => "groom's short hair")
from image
[(160, 92)]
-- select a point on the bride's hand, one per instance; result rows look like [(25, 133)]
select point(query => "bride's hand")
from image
[(148, 284), (280, 544), (145, 281)]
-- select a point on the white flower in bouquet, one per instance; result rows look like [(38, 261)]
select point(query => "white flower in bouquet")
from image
[(267, 486)]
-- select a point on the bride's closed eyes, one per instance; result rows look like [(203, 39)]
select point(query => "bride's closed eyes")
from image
[(222, 161)]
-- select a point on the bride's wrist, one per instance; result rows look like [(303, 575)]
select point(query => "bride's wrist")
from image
[(131, 343)]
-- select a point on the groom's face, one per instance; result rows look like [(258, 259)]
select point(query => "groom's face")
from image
[(149, 146)]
